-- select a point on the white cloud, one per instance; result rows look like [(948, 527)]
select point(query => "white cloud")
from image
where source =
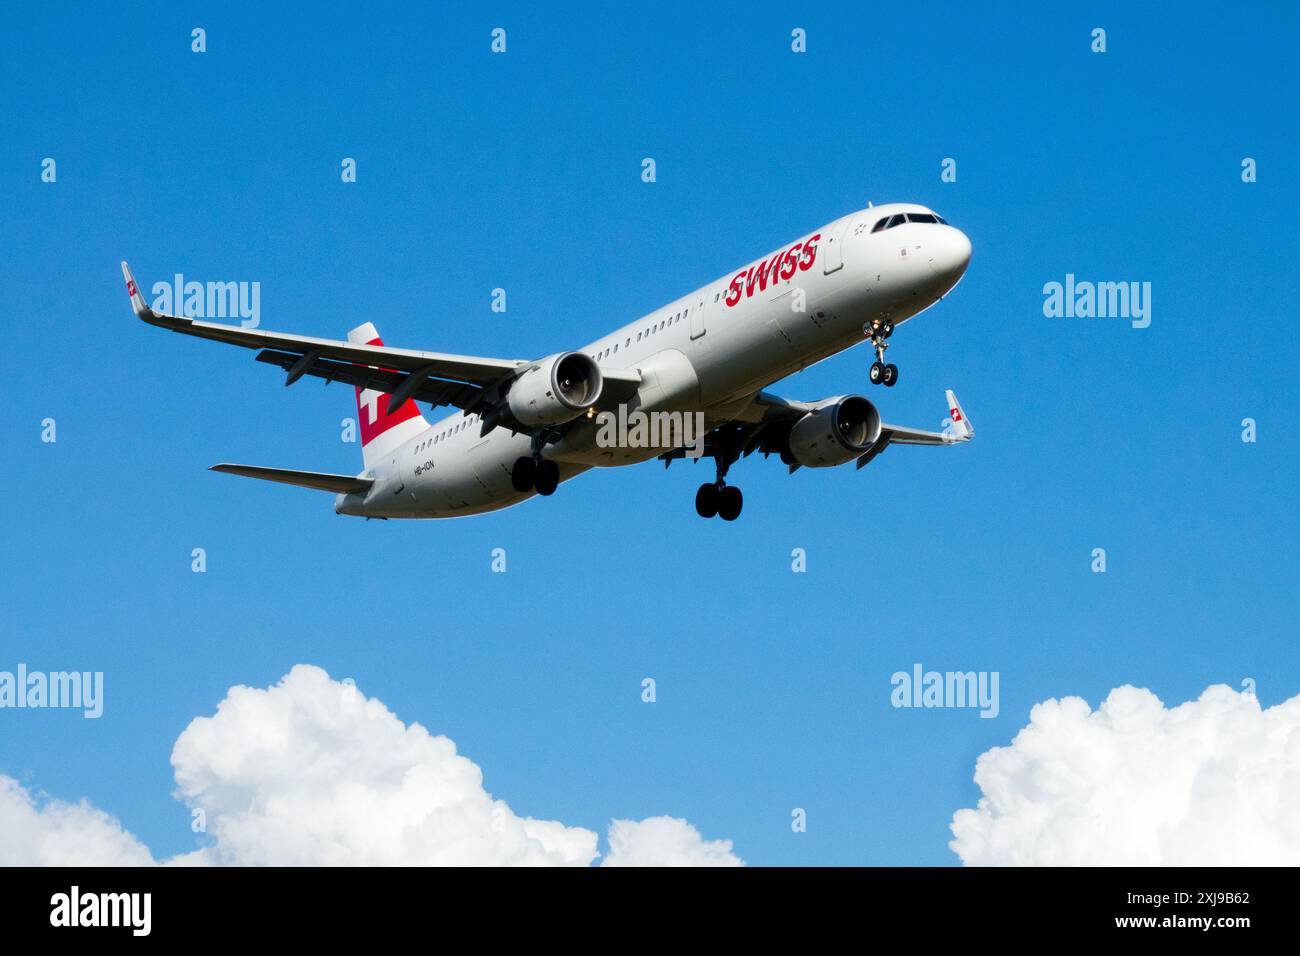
[(1214, 781), (310, 771), (665, 841), (53, 833)]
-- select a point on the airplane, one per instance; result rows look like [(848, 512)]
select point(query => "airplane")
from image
[(521, 427)]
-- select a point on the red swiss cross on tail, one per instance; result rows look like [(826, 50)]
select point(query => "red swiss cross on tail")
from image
[(382, 429)]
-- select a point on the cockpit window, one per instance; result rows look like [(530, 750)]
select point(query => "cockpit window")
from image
[(889, 222)]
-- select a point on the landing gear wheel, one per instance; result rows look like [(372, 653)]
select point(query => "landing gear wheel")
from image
[(523, 475), (706, 501), (730, 501), (548, 477), (891, 375), (877, 372), (886, 329)]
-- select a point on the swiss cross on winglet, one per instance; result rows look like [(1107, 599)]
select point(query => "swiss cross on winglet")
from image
[(137, 300), (962, 429)]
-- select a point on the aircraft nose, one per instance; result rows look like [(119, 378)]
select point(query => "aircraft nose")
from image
[(949, 254)]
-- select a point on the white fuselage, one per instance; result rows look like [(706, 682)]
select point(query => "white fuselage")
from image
[(709, 351)]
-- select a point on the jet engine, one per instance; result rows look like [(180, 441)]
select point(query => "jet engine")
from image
[(836, 431), (555, 390)]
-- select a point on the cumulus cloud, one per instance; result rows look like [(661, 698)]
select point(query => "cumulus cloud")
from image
[(312, 772), (54, 833), (1215, 781), (665, 841)]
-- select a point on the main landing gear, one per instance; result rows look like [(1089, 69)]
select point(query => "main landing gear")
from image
[(718, 497), (880, 372), (535, 473)]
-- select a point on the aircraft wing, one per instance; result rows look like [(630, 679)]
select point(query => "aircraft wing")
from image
[(767, 418), (463, 381), (960, 430), (444, 379)]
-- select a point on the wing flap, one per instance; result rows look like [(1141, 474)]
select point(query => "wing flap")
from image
[(899, 435), (435, 391)]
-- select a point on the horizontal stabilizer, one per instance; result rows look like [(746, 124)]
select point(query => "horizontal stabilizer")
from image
[(339, 484)]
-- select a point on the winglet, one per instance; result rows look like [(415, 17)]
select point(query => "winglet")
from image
[(133, 290), (962, 429)]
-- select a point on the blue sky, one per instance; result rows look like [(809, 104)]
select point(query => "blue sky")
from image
[(522, 171)]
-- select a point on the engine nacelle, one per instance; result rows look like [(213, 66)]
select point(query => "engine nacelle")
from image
[(555, 390), (836, 431)]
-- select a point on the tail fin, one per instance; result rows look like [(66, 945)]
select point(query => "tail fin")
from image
[(382, 430), (961, 426)]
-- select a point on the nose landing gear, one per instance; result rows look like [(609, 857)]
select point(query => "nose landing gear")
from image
[(880, 372)]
